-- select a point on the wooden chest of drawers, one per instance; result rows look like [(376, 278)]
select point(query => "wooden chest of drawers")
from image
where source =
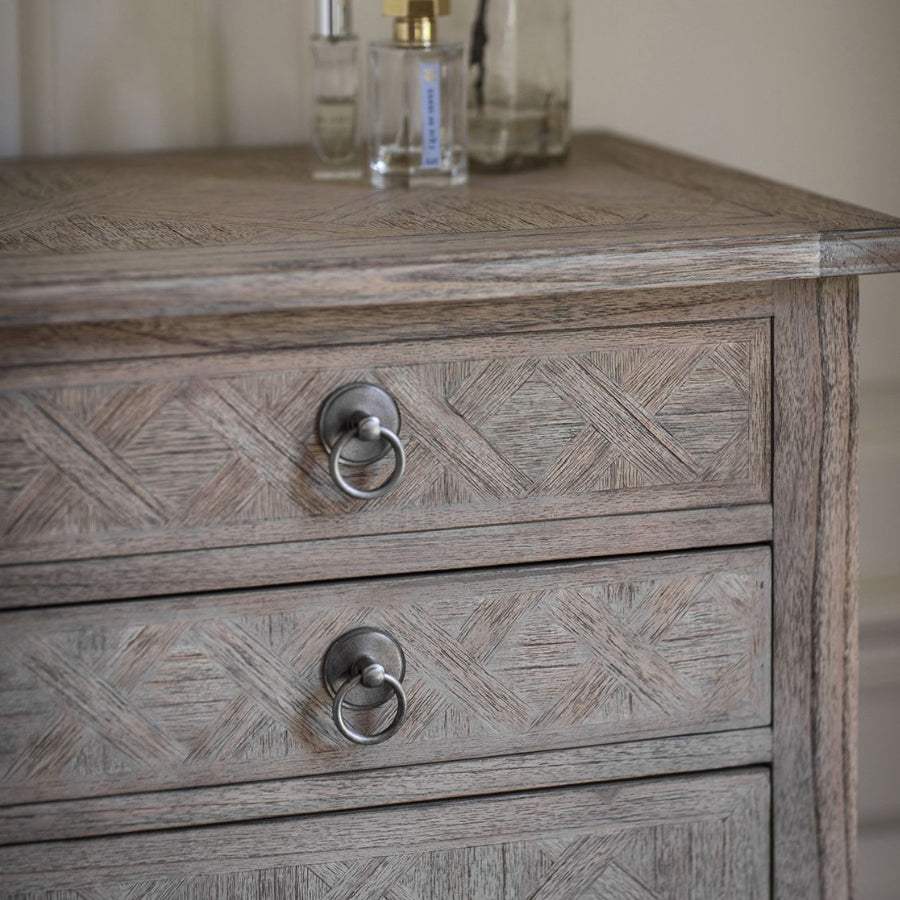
[(580, 622)]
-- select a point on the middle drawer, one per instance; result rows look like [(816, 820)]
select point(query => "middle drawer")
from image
[(144, 695)]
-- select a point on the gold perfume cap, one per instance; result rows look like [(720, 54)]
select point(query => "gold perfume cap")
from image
[(415, 21)]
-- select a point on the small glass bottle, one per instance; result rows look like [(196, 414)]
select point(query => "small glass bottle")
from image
[(417, 101), (519, 82), (336, 88)]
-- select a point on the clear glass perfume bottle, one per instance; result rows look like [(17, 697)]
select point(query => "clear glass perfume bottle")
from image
[(417, 101), (519, 81), (336, 89)]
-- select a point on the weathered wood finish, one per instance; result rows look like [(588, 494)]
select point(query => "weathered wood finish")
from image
[(703, 837), (815, 638), (222, 689), (170, 325), (423, 551), (195, 335), (157, 456), (228, 233), (119, 814)]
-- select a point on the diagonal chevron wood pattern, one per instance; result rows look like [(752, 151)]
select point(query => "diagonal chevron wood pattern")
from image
[(223, 451), (700, 837), (265, 197), (227, 689), (619, 214)]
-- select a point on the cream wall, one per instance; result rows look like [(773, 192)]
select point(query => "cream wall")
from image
[(806, 91)]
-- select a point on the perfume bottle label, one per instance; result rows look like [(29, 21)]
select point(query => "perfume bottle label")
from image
[(430, 92)]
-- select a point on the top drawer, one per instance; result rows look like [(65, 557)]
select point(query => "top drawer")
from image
[(156, 456)]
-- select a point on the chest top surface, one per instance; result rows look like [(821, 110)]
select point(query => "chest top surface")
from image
[(247, 231)]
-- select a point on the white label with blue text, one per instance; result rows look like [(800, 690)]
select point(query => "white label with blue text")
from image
[(430, 91)]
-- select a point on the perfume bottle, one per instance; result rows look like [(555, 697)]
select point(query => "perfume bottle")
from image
[(417, 101), (519, 81), (336, 87)]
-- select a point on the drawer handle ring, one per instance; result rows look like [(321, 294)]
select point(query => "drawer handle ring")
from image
[(358, 425), (363, 669), (368, 429), (372, 676)]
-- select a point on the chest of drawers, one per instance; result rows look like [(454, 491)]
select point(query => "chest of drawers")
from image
[(494, 543)]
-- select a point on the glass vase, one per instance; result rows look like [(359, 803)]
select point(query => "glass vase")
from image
[(519, 81)]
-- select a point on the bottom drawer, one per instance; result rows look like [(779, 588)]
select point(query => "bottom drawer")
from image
[(698, 837)]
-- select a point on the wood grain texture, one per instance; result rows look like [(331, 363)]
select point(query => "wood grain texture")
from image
[(121, 814), (199, 234), (109, 459), (299, 329), (704, 837), (815, 650), (193, 691), (425, 551)]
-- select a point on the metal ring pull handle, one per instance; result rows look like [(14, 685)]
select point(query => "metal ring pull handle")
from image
[(363, 669), (368, 429), (358, 425), (372, 676)]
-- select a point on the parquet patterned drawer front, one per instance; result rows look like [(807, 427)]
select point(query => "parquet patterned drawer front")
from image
[(223, 451), (112, 698), (699, 837)]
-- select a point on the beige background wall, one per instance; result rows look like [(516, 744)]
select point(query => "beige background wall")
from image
[(806, 91)]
